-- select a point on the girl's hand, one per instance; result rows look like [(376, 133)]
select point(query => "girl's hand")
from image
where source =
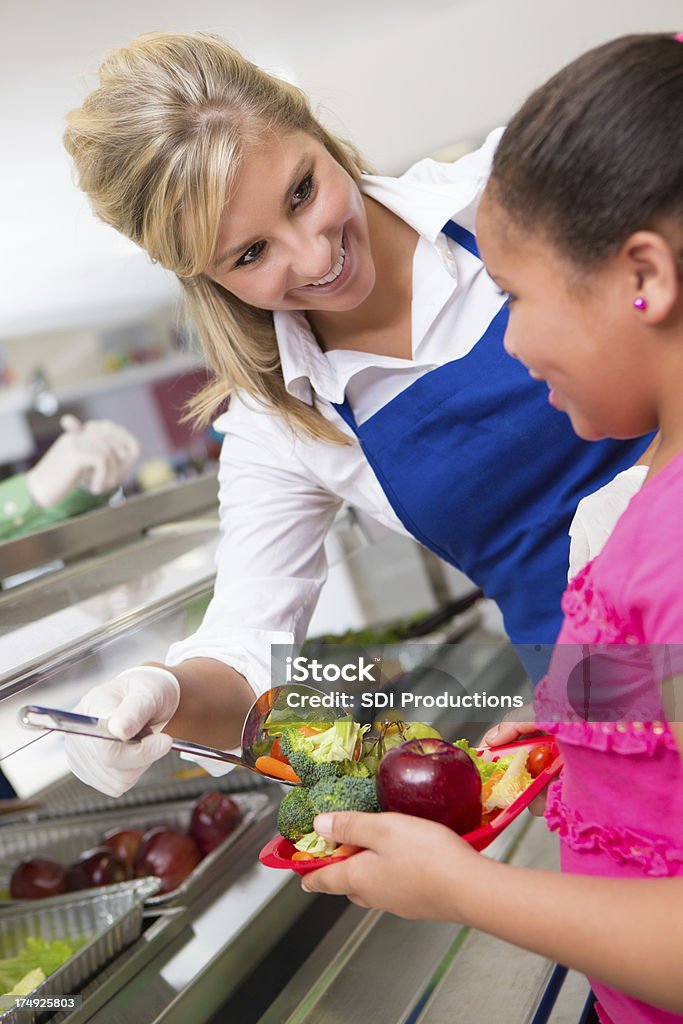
[(509, 732), (409, 866)]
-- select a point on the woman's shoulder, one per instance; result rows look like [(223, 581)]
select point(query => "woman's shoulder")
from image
[(472, 162)]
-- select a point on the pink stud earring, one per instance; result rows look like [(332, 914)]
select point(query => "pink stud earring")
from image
[(640, 303)]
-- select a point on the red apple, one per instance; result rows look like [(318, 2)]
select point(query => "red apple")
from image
[(36, 877), (99, 866), (125, 842), (214, 816), (169, 855), (431, 778)]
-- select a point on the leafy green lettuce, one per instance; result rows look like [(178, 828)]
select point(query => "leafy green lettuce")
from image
[(485, 768), (37, 954)]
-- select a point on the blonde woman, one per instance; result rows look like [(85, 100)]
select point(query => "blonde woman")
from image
[(349, 323)]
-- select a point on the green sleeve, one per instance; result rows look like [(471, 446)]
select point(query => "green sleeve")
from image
[(19, 514)]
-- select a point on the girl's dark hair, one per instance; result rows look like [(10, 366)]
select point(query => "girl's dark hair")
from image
[(597, 152)]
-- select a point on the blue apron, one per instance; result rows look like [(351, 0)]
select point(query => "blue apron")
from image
[(481, 470)]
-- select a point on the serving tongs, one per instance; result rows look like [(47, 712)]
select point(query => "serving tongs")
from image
[(280, 706)]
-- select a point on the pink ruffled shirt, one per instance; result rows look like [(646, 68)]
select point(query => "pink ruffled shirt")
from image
[(618, 805)]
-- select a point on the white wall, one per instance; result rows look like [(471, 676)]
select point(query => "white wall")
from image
[(402, 77)]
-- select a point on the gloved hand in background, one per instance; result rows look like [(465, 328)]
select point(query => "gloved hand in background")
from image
[(597, 514), (137, 697), (95, 455)]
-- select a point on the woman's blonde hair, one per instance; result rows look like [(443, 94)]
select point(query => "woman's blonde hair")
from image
[(157, 147)]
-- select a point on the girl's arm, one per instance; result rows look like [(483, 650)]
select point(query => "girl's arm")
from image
[(628, 933)]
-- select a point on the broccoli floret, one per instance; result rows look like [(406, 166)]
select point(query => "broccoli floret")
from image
[(344, 794), (324, 755), (309, 771), (295, 817), (355, 769), (298, 749)]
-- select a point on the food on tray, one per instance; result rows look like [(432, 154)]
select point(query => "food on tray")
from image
[(125, 853), (316, 755), (401, 766), (505, 779), (37, 877), (398, 732), (348, 793), (433, 779), (295, 817), (277, 768), (21, 973), (540, 758)]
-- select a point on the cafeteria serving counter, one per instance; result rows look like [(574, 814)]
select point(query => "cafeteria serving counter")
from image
[(248, 945)]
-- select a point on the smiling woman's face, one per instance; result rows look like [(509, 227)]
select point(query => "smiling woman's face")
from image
[(574, 334), (294, 234)]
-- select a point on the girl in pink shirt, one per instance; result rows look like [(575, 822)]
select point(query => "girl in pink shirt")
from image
[(582, 226)]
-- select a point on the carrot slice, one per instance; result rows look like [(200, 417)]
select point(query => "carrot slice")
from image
[(489, 784), (302, 855), (345, 850), (276, 751), (308, 730), (271, 766)]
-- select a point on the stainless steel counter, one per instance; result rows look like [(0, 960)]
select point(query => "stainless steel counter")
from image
[(372, 966)]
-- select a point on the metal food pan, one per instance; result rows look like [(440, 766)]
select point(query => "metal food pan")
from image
[(109, 919), (166, 925), (169, 778), (63, 839)]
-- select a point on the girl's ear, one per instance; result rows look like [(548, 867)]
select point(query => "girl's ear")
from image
[(655, 281)]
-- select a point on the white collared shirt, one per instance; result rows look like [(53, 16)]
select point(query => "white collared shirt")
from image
[(279, 493)]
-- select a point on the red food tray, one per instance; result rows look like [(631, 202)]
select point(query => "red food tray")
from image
[(278, 852)]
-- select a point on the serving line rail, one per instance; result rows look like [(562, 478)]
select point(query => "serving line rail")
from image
[(63, 542), (373, 966)]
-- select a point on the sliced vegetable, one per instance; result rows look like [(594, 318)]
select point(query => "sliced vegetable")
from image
[(326, 754), (513, 783), (27, 984), (276, 751), (36, 954), (490, 783), (486, 768), (271, 766), (315, 844), (345, 850)]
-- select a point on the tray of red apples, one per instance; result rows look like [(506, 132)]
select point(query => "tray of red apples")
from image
[(179, 842), (476, 792)]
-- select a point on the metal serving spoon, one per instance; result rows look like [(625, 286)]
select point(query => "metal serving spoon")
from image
[(279, 706)]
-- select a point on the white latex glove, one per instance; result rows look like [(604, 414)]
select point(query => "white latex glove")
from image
[(138, 697), (96, 454), (597, 514)]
